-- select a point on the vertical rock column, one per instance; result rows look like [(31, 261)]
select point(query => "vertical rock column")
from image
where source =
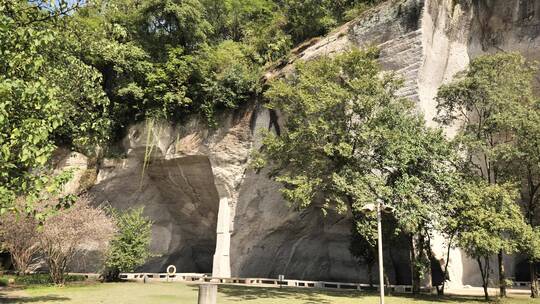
[(222, 264)]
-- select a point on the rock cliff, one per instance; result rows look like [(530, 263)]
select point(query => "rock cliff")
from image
[(212, 213)]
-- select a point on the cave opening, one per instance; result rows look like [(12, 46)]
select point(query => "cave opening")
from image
[(180, 197)]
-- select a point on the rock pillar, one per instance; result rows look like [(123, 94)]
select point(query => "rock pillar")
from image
[(222, 263)]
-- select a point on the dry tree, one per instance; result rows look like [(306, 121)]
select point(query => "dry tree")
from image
[(19, 236), (71, 231)]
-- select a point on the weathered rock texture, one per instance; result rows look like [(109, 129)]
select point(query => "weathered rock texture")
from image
[(193, 173)]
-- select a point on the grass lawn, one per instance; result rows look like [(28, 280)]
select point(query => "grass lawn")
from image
[(157, 293)]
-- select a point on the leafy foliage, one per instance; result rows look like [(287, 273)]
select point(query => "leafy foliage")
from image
[(130, 247), (350, 141), (47, 96), (77, 73), (493, 102), (490, 222), (483, 99), (45, 279)]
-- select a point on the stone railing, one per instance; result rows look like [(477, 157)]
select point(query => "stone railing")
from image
[(198, 278), (265, 282), (261, 282)]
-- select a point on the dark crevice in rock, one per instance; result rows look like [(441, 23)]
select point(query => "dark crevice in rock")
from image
[(274, 122)]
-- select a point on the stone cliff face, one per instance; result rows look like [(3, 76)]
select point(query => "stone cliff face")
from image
[(205, 201)]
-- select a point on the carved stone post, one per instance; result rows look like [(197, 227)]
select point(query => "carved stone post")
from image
[(222, 263)]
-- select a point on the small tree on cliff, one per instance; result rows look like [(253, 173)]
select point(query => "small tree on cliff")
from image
[(130, 247), (350, 141), (70, 231), (487, 102)]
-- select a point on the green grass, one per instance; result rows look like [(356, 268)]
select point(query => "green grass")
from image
[(157, 293)]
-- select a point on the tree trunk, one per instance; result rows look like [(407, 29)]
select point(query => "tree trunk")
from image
[(502, 275), (447, 263), (388, 290), (370, 273), (486, 294), (57, 268), (415, 281), (416, 251), (485, 276), (534, 280)]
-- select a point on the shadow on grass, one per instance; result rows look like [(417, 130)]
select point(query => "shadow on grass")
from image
[(441, 299), (4, 298), (309, 296), (317, 296)]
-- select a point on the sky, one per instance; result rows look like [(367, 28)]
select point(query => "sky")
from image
[(44, 3)]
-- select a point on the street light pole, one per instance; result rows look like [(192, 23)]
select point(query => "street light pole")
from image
[(379, 243), (379, 208)]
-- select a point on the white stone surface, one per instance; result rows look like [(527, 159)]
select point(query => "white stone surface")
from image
[(222, 262), (211, 209)]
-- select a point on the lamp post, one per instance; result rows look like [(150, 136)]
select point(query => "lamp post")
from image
[(379, 244), (379, 207)]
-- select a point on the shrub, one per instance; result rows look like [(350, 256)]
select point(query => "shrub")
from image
[(37, 279), (129, 248), (71, 231), (18, 236), (4, 282)]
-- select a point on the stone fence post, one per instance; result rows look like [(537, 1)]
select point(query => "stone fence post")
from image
[(207, 293)]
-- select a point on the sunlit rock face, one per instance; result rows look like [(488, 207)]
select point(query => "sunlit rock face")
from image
[(178, 174), (195, 174)]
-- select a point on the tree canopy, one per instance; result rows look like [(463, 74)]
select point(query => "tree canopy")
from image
[(349, 141), (77, 73), (493, 104)]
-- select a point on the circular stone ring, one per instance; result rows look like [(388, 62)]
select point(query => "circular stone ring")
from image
[(171, 269)]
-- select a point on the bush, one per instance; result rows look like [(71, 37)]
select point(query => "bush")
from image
[(45, 279), (129, 248), (19, 237), (4, 282), (71, 231)]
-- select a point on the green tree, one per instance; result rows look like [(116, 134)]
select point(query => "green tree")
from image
[(480, 101), (531, 247), (47, 97), (268, 39), (231, 18), (308, 18), (152, 72), (172, 24), (350, 141), (130, 247), (522, 164), (489, 222), (226, 77)]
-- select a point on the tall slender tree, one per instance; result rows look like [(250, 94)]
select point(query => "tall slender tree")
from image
[(489, 222), (479, 101)]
